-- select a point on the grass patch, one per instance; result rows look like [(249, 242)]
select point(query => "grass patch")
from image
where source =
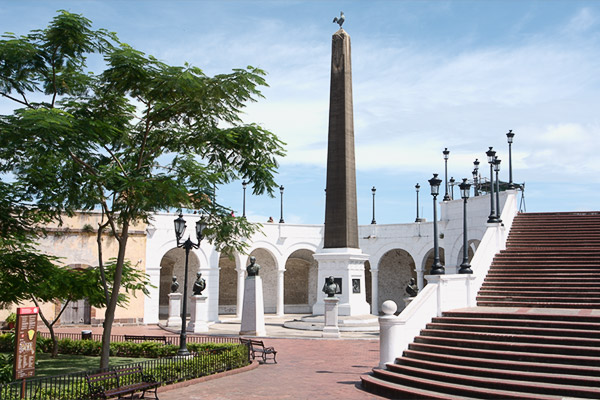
[(69, 363)]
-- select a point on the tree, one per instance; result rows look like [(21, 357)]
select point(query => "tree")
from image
[(140, 137)]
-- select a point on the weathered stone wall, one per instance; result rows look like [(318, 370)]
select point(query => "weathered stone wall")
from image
[(227, 284), (395, 270)]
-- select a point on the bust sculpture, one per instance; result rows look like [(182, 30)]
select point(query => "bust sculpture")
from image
[(253, 267), (330, 287), (174, 284), (199, 285), (412, 289)]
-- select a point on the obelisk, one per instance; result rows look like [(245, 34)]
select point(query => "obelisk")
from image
[(341, 256)]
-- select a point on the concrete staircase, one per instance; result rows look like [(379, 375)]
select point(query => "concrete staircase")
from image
[(535, 333)]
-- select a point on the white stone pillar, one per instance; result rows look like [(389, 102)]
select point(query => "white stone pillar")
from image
[(174, 309), (331, 329), (280, 292), (374, 291), (152, 301), (211, 276), (198, 315), (253, 317), (240, 293), (390, 331)]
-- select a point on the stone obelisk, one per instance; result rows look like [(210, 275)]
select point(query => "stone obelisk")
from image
[(341, 256)]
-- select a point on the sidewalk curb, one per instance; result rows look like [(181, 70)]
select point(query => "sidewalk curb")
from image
[(183, 384)]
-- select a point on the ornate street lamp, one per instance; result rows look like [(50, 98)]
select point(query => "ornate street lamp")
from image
[(187, 245), (446, 154), (417, 187), (244, 183), (436, 268), (497, 170), (452, 182), (373, 190), (475, 176), (509, 136), (490, 156), (465, 267), (281, 188)]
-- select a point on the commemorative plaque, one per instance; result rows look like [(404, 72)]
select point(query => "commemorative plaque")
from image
[(25, 337)]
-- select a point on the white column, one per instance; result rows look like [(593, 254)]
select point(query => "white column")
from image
[(211, 276), (280, 295), (331, 329), (240, 292), (151, 302), (174, 309), (374, 291), (390, 331)]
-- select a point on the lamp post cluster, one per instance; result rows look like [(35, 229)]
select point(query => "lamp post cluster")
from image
[(187, 245)]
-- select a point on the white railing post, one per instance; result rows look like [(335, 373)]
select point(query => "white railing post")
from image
[(390, 345)]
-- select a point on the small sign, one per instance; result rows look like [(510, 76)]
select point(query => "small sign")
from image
[(25, 337)]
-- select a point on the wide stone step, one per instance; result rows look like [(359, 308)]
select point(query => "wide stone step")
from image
[(516, 323), (454, 389), (512, 337), (539, 303), (396, 373), (539, 293), (524, 347), (514, 329), (505, 354), (547, 298), (574, 287), (393, 390), (457, 367), (482, 360), (529, 316)]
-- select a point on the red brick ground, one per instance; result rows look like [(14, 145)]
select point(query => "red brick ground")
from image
[(305, 369)]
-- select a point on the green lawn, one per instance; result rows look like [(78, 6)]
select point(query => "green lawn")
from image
[(67, 363)]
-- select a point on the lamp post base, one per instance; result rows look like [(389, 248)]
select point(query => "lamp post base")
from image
[(465, 269)]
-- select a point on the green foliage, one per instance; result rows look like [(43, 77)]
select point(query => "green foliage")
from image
[(6, 368), (139, 137), (12, 318)]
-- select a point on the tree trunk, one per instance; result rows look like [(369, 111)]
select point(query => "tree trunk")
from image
[(111, 307)]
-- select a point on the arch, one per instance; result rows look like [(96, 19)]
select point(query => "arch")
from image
[(228, 281), (473, 244), (428, 261), (78, 311), (396, 268), (300, 282), (172, 264), (268, 273), (368, 284)]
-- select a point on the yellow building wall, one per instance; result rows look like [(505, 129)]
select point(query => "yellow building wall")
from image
[(74, 241)]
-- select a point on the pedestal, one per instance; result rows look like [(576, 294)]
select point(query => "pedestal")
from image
[(253, 310), (348, 265), (198, 315), (331, 329), (174, 309)]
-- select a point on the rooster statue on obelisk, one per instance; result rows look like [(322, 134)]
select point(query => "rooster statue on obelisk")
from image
[(341, 257)]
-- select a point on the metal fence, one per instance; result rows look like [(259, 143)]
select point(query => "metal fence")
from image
[(163, 370), (171, 339)]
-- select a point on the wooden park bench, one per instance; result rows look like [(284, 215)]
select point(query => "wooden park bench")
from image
[(121, 382), (257, 348), (144, 338)]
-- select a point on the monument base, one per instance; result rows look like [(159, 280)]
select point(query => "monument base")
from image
[(253, 310), (331, 328), (347, 266), (198, 315), (174, 310)]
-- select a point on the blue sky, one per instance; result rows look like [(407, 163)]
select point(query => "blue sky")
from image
[(427, 75)]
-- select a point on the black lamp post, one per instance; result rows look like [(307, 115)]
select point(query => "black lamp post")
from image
[(475, 176), (244, 183), (452, 182), (187, 245), (497, 170), (281, 188), (373, 190), (446, 154), (417, 187), (490, 156), (509, 136), (465, 267), (436, 268)]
